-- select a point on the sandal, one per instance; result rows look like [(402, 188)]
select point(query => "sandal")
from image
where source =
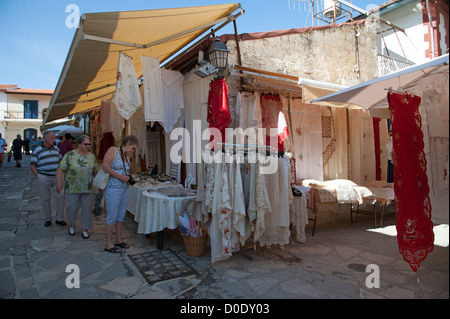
[(113, 250), (122, 245)]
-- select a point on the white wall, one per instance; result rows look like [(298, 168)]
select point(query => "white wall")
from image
[(14, 105), (412, 44), (3, 108)]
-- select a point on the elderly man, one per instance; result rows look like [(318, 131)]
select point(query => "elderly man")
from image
[(44, 162)]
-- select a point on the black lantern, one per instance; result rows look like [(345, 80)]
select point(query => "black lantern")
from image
[(218, 55)]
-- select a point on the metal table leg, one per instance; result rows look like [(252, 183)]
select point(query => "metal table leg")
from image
[(351, 213), (159, 239), (375, 214)]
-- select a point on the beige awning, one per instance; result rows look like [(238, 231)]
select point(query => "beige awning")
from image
[(372, 95), (89, 72), (316, 89)]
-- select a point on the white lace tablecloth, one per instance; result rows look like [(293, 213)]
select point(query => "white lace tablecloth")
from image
[(383, 191), (384, 195), (158, 211), (135, 194)]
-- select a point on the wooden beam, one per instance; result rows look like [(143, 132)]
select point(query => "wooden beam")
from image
[(285, 76)]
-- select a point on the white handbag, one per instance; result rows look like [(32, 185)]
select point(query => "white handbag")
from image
[(101, 179)]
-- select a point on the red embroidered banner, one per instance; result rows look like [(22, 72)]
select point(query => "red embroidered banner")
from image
[(415, 235)]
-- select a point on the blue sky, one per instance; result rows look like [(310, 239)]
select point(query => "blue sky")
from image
[(35, 39)]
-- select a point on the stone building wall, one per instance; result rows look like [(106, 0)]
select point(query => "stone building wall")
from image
[(326, 53)]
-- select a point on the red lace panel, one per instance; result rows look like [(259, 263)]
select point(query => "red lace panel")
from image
[(415, 235), (271, 110), (218, 111)]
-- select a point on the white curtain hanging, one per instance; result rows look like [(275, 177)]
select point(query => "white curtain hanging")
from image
[(153, 92), (307, 139), (172, 85), (361, 147)]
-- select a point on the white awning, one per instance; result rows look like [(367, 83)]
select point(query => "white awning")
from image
[(372, 95), (312, 90)]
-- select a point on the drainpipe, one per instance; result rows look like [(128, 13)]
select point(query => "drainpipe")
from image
[(358, 69), (433, 53), (236, 37)]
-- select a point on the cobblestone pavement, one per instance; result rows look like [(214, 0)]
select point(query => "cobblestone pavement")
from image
[(35, 260)]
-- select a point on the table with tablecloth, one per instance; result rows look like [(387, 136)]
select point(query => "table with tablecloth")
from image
[(343, 191), (158, 211), (383, 191), (136, 192), (384, 194)]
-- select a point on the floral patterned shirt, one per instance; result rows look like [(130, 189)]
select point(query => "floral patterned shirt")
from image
[(79, 172)]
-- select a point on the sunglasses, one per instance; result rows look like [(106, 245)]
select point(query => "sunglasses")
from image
[(87, 144)]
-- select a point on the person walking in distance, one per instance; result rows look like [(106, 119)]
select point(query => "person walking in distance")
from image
[(44, 162), (17, 145), (65, 145), (3, 146), (33, 143), (26, 146)]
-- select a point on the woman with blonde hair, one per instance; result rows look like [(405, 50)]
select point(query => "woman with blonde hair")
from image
[(116, 163)]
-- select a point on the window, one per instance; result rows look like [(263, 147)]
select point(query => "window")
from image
[(29, 132), (30, 109)]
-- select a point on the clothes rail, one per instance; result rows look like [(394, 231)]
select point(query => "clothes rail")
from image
[(253, 148)]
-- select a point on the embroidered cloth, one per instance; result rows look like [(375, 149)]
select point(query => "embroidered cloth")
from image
[(273, 117), (127, 98), (153, 91), (415, 235), (172, 85)]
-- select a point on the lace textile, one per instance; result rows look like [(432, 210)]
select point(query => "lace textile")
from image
[(415, 235), (127, 98)]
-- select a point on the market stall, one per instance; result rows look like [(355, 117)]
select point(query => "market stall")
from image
[(126, 87)]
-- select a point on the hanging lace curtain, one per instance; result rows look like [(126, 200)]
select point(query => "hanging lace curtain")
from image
[(153, 92), (361, 147), (306, 139), (127, 98)]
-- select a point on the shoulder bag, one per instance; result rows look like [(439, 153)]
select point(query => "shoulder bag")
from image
[(101, 179)]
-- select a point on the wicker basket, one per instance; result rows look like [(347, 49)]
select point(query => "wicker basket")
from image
[(195, 246)]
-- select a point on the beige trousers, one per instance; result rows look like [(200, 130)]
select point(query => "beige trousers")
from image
[(47, 187)]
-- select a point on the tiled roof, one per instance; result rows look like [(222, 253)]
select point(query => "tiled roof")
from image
[(29, 91), (277, 33), (4, 87)]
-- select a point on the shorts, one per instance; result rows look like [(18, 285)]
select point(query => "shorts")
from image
[(17, 155), (116, 202)]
